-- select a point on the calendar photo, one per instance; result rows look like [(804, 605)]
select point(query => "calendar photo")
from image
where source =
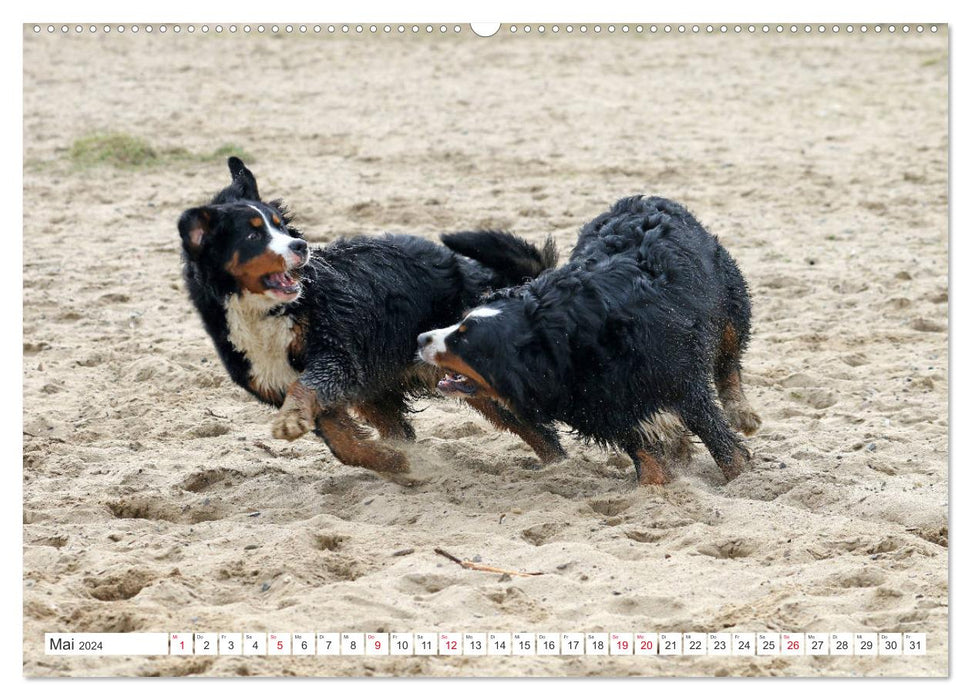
[(515, 350)]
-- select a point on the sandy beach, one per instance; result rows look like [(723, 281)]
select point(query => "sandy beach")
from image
[(155, 498)]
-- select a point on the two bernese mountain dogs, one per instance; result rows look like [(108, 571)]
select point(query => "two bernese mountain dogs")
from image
[(628, 343)]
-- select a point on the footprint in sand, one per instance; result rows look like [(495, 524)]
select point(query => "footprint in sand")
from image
[(728, 549), (865, 578), (610, 506), (207, 478), (541, 534), (425, 583), (816, 398), (119, 586), (155, 508)]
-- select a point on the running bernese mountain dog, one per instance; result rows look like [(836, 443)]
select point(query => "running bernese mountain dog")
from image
[(321, 332), (628, 343)]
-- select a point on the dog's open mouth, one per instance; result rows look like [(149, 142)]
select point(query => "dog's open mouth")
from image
[(457, 383), (281, 284)]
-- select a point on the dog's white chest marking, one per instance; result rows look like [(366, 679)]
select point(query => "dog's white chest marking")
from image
[(264, 339)]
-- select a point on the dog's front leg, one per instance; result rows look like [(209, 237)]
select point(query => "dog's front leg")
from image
[(298, 414), (542, 438), (326, 381)]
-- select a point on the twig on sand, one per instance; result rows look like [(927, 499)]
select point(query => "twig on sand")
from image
[(466, 564), (266, 448)]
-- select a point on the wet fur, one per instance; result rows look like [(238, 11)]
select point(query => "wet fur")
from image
[(350, 336), (626, 341)]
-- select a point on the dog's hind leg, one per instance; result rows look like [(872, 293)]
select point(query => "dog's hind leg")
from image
[(703, 417), (386, 414), (349, 442), (728, 382), (542, 438)]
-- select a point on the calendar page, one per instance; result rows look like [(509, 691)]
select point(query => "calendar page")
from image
[(441, 349)]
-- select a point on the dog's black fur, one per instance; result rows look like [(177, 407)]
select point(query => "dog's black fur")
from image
[(323, 330), (649, 317)]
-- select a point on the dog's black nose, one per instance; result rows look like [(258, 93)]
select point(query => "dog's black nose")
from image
[(424, 339), (299, 246)]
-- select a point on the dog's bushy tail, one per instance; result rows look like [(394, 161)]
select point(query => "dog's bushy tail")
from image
[(511, 259)]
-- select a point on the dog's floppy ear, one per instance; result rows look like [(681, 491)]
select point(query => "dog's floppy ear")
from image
[(195, 228), (244, 179)]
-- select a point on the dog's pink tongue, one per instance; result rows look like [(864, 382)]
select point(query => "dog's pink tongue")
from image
[(282, 279)]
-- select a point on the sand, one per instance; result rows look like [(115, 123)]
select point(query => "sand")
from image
[(155, 498)]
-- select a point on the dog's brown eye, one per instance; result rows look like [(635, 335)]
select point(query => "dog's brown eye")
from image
[(253, 235)]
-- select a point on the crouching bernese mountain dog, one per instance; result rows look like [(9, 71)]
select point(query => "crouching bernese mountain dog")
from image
[(321, 332), (627, 343)]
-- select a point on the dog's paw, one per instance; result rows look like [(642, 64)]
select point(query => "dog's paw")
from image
[(290, 425), (741, 417), (749, 421), (738, 464)]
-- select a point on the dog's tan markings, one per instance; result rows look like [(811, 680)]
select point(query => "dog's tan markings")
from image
[(547, 450), (738, 411), (349, 442), (298, 413), (276, 220), (453, 363), (652, 470), (297, 345), (729, 344), (256, 222), (265, 341), (250, 274)]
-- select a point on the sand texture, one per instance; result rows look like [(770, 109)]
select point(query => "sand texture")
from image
[(155, 498)]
